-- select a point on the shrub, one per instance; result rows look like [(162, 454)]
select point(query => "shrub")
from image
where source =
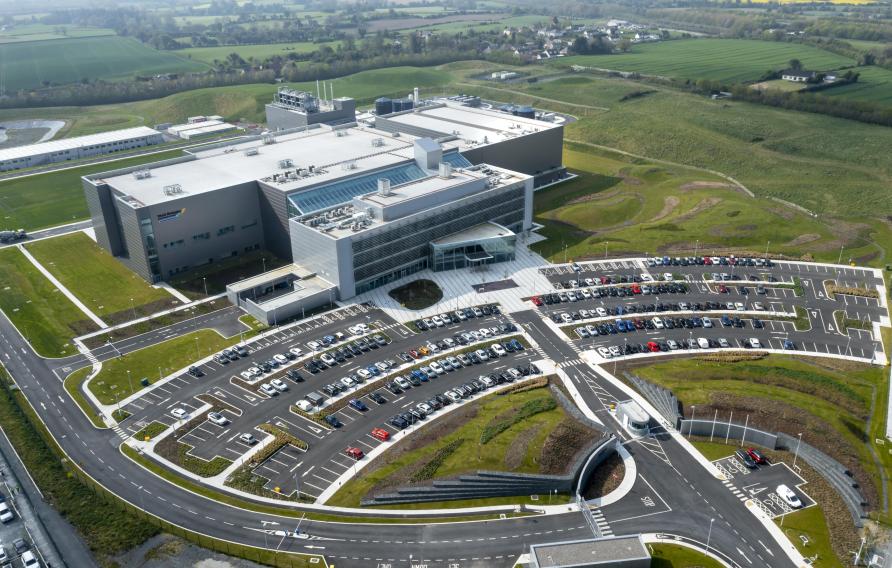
[(431, 467)]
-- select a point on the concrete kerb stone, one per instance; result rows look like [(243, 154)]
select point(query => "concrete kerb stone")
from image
[(596, 358)]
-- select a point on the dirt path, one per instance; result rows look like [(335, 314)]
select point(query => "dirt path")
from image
[(669, 206)]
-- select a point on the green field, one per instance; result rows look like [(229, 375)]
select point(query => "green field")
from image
[(112, 383), (210, 55), (46, 318), (28, 65), (730, 60), (56, 198), (674, 556), (42, 32), (874, 85), (98, 279)]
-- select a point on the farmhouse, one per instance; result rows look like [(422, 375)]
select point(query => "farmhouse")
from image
[(798, 75)]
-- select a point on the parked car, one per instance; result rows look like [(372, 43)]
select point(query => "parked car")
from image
[(217, 418), (745, 459), (789, 496), (248, 438), (358, 404), (179, 413), (29, 560), (6, 514), (354, 453), (333, 421), (381, 434)]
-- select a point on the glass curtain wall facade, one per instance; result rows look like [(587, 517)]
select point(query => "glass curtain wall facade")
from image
[(472, 253)]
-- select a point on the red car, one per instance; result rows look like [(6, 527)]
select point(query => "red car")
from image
[(652, 347), (414, 354), (707, 260), (723, 289), (757, 456), (381, 434), (536, 300), (354, 453), (636, 289)]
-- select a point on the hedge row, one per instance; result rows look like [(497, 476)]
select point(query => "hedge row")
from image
[(430, 468)]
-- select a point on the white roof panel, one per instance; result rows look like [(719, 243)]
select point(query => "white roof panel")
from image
[(77, 142)]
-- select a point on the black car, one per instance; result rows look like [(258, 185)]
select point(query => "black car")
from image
[(196, 372), (745, 459), (393, 388), (399, 422), (294, 376), (421, 325), (333, 421), (375, 396)]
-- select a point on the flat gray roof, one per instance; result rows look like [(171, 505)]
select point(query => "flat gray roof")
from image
[(230, 165), (589, 552), (76, 142)]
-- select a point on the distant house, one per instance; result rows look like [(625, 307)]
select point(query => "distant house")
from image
[(798, 76)]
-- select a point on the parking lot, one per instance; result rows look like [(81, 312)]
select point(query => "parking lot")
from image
[(613, 307), (761, 483), (311, 472), (14, 538)]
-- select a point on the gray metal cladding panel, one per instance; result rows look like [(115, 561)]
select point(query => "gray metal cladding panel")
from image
[(136, 259), (97, 214), (393, 126), (528, 154), (274, 213)]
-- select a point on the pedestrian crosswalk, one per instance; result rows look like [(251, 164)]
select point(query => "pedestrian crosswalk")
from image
[(571, 363), (601, 522)]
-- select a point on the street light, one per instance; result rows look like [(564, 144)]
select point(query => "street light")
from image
[(205, 280), (709, 535), (130, 381), (132, 308), (796, 455), (693, 412)]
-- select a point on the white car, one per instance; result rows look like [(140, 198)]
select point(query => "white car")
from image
[(586, 294), (268, 390), (29, 560), (703, 343), (615, 351), (485, 332), (247, 438), (437, 321), (5, 513), (432, 348), (484, 356), (707, 322), (453, 396), (499, 350), (424, 407), (255, 371), (572, 296), (754, 343), (486, 381), (739, 306), (280, 358), (348, 382), (582, 332), (218, 419), (460, 315), (296, 351), (683, 306), (246, 375), (789, 497), (314, 345), (328, 359), (646, 277), (673, 345), (658, 323), (403, 383), (304, 405), (517, 375), (602, 313), (279, 385), (567, 318), (437, 368), (758, 306), (382, 366), (723, 342), (179, 413), (604, 352), (592, 330), (667, 276)]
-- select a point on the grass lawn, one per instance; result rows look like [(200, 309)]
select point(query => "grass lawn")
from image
[(43, 32), (874, 85), (731, 60), (454, 447), (56, 198), (811, 524), (73, 383), (98, 279), (112, 382), (209, 55), (40, 312), (674, 556), (418, 294), (28, 64), (829, 401), (629, 206)]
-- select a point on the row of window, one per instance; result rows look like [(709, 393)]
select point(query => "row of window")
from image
[(186, 267)]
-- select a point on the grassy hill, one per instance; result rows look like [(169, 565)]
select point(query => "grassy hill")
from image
[(732, 60)]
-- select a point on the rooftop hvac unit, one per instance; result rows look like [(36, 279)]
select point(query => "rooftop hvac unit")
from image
[(268, 138), (142, 174), (384, 187), (377, 142), (341, 133), (252, 152), (351, 165), (286, 163), (172, 189), (395, 135), (369, 212), (445, 170)]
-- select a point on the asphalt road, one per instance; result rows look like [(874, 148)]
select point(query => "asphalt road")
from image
[(673, 492)]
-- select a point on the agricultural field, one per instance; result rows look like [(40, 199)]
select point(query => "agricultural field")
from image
[(210, 55), (44, 32), (730, 60), (874, 85), (29, 64), (23, 200), (41, 313), (99, 280)]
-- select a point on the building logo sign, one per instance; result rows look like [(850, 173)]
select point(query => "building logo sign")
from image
[(171, 215)]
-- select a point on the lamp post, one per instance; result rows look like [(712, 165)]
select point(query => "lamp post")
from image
[(130, 381), (709, 535), (796, 455), (693, 413), (132, 308), (205, 281)]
